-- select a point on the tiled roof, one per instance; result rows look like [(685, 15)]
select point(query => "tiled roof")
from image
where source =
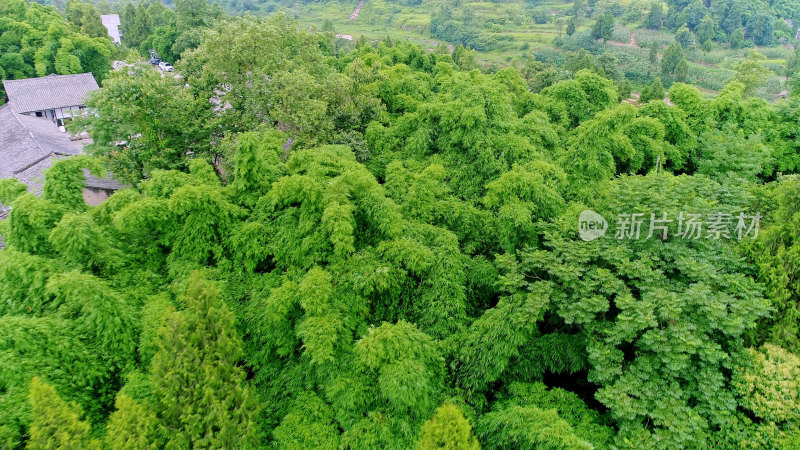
[(29, 145), (108, 184), (50, 92)]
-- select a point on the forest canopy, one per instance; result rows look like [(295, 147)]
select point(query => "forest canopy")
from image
[(377, 246)]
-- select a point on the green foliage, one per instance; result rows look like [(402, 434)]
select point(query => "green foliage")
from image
[(27, 345), (653, 56), (495, 339), (81, 243), (522, 196), (309, 424), (586, 423), (86, 17), (146, 122), (617, 141), (447, 429), (99, 314), (737, 39), (30, 222), (25, 278), (64, 182), (584, 96), (401, 370), (400, 356), (571, 26), (38, 41), (10, 189), (619, 303), (257, 165), (684, 37), (137, 24), (774, 254), (476, 126), (653, 92), (276, 74), (131, 426), (673, 65), (336, 246), (751, 72), (782, 136), (56, 424), (199, 392), (699, 115), (655, 17), (769, 384), (603, 27), (729, 157), (705, 30), (529, 427), (680, 152)]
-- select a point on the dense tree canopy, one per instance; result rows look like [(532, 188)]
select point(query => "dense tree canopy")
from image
[(36, 41), (377, 246)]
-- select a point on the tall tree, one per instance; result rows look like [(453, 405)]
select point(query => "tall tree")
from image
[(671, 61), (706, 30), (655, 17), (136, 24), (447, 429), (737, 39), (653, 92), (603, 27), (761, 28), (653, 56), (202, 399), (56, 424), (147, 122), (751, 72), (131, 426), (684, 37), (86, 17)]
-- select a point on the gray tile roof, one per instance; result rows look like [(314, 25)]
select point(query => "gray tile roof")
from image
[(29, 145), (50, 92), (108, 184)]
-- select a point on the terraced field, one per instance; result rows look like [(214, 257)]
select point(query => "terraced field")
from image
[(516, 37)]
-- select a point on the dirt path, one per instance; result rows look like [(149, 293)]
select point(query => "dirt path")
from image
[(354, 16), (632, 43)]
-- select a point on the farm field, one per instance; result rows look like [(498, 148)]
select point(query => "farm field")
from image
[(515, 32)]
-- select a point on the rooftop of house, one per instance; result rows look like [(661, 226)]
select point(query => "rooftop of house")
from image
[(28, 146), (50, 92)]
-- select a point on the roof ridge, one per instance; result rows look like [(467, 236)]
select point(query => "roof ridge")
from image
[(51, 91), (23, 169)]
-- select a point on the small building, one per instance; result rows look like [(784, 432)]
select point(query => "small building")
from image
[(54, 97), (29, 145), (111, 22)]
